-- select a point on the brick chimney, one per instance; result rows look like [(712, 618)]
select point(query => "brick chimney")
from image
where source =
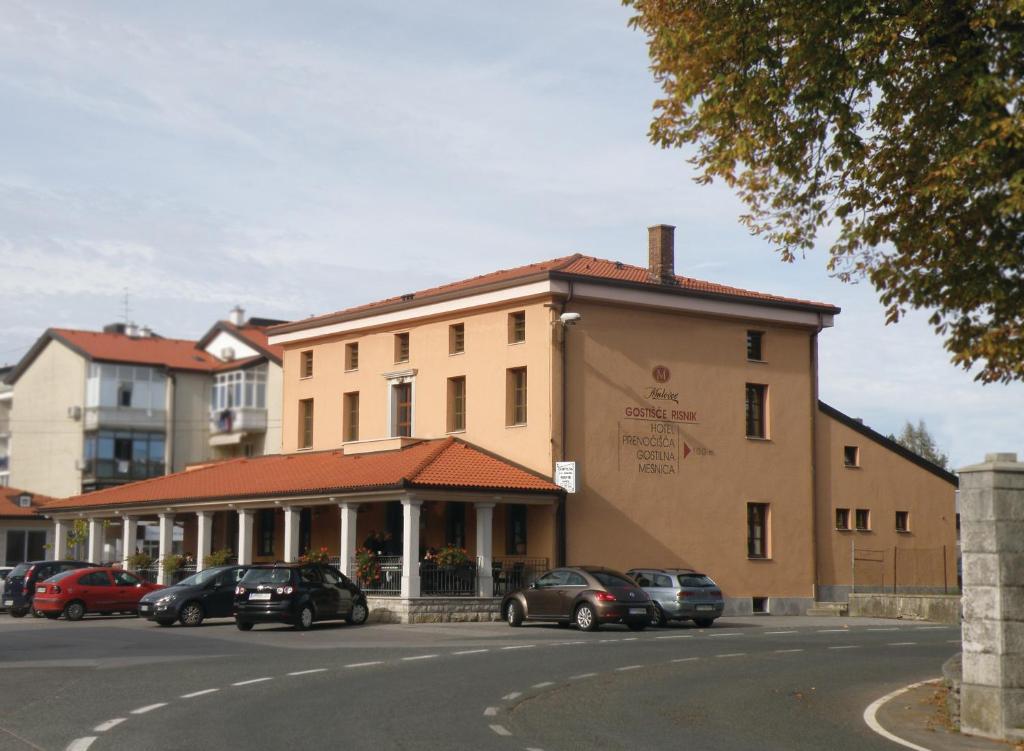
[(661, 253)]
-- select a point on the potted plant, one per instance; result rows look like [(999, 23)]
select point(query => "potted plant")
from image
[(368, 571), (217, 558), (451, 557), (139, 561), (316, 556)]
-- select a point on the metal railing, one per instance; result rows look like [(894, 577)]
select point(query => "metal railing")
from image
[(515, 572), (381, 577), (448, 581), (150, 573)]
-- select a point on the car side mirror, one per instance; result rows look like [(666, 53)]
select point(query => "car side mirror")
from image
[(533, 585)]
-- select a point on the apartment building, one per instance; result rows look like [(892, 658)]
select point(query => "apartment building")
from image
[(6, 401)]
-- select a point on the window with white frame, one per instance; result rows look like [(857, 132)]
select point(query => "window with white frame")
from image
[(125, 386), (240, 388)]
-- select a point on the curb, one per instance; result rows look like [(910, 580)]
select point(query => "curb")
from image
[(872, 710)]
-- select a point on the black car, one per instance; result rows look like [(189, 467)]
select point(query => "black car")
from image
[(297, 593), (207, 594), (20, 585), (585, 595)]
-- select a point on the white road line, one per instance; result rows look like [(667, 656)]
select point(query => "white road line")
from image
[(847, 646), (513, 695), (544, 684), (872, 721), (252, 680), (768, 633), (307, 672), (418, 657), (606, 641), (833, 630), (733, 654), (628, 667), (471, 651), (902, 643), (81, 744), (676, 636), (520, 646), (932, 628), (684, 659), (500, 730), (194, 694), (490, 711), (105, 726), (581, 676), (883, 629), (148, 708), (734, 633), (363, 664), (631, 638), (954, 641), (784, 651)]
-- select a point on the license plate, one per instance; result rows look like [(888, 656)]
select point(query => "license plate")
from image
[(260, 596), (8, 603), (143, 608), (637, 611), (705, 607), (40, 590)]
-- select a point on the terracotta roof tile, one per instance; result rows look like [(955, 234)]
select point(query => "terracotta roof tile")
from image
[(257, 337), (434, 463), (176, 354), (9, 508)]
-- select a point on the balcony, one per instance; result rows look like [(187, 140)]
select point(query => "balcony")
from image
[(120, 470), (124, 417), (230, 424)]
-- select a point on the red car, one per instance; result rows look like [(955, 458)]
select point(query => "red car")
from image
[(90, 590)]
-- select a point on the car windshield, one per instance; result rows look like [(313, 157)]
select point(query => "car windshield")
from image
[(255, 576), (608, 579), (203, 577), (695, 580), (20, 569)]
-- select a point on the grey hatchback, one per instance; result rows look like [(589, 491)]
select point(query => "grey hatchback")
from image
[(680, 594)]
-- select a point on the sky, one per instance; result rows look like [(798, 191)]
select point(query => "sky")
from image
[(301, 158)]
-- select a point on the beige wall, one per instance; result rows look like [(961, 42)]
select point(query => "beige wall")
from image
[(191, 431), (884, 483), (48, 441), (271, 443)]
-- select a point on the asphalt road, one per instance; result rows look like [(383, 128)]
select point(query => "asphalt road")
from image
[(746, 683)]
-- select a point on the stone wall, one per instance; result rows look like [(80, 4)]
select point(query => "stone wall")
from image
[(938, 608), (434, 609)]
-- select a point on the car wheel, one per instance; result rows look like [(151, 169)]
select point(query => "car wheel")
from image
[(305, 619), (359, 613), (704, 622), (37, 613), (74, 611), (636, 626), (191, 614), (164, 622), (514, 614), (243, 625), (658, 617), (18, 612), (52, 616), (586, 618)]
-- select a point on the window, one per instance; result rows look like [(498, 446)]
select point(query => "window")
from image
[(124, 579), (515, 529), (662, 581), (350, 418), (902, 521), (754, 342), (842, 518), (24, 545), (305, 423), (402, 347), (851, 456), (575, 580), (517, 327), (757, 530), (755, 406), (307, 364), (515, 397), (95, 579), (759, 604), (267, 519), (401, 401), (124, 395), (456, 339), (310, 574), (352, 356), (862, 518), (456, 404), (123, 455), (238, 388)]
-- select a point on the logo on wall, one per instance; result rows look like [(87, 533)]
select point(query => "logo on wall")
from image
[(661, 373)]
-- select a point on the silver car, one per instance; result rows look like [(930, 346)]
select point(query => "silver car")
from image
[(680, 594)]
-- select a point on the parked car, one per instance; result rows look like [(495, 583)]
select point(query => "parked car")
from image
[(97, 589), (680, 594), (208, 594), (20, 585), (297, 594), (585, 595), (4, 571)]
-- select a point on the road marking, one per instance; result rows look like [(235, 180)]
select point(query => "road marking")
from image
[(847, 646), (684, 659), (520, 646), (513, 695), (581, 676), (605, 641), (419, 657), (833, 630), (148, 708), (883, 629), (872, 710), (545, 684), (677, 636), (902, 643), (194, 694), (490, 711), (363, 664), (105, 726), (631, 638), (628, 667), (307, 672), (767, 633), (252, 680), (500, 730), (953, 641), (932, 628), (81, 744), (733, 654), (783, 651), (734, 633), (471, 651)]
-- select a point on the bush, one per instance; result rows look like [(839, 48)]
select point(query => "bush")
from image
[(139, 561), (451, 556), (315, 556), (217, 558)]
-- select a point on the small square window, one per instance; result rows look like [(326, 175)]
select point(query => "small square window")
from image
[(307, 364), (862, 519), (402, 347), (902, 521), (517, 327), (851, 456), (755, 340), (456, 339), (842, 518), (352, 356), (759, 604)]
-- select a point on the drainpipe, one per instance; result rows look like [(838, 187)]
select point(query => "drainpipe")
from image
[(172, 387), (814, 450), (560, 526)]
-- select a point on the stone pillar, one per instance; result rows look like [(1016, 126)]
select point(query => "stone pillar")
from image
[(245, 537), (95, 552), (204, 537), (60, 540), (347, 552), (410, 547), (992, 545), (166, 544), (484, 549), (129, 530), (291, 534)]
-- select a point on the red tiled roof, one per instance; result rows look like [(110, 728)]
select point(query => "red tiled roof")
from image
[(257, 337), (576, 266), (176, 354), (9, 508), (436, 463)]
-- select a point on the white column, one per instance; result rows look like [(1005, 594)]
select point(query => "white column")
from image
[(95, 553), (349, 513), (129, 532), (291, 534), (60, 539), (244, 537), (166, 544), (484, 549), (410, 547), (204, 537)]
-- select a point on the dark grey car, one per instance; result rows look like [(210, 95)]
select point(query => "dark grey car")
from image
[(208, 594), (680, 594)]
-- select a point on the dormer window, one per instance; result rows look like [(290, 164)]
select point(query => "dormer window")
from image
[(25, 500)]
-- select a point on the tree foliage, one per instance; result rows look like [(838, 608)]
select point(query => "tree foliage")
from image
[(920, 441), (899, 122)]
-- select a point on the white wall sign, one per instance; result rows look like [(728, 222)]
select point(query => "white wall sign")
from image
[(565, 476)]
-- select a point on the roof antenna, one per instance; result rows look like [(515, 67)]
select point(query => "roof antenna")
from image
[(125, 307)]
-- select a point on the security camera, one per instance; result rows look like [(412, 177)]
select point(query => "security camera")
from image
[(570, 319)]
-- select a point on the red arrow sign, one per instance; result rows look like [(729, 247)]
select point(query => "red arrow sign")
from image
[(686, 450)]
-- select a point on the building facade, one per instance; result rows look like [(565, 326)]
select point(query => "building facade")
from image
[(25, 534)]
